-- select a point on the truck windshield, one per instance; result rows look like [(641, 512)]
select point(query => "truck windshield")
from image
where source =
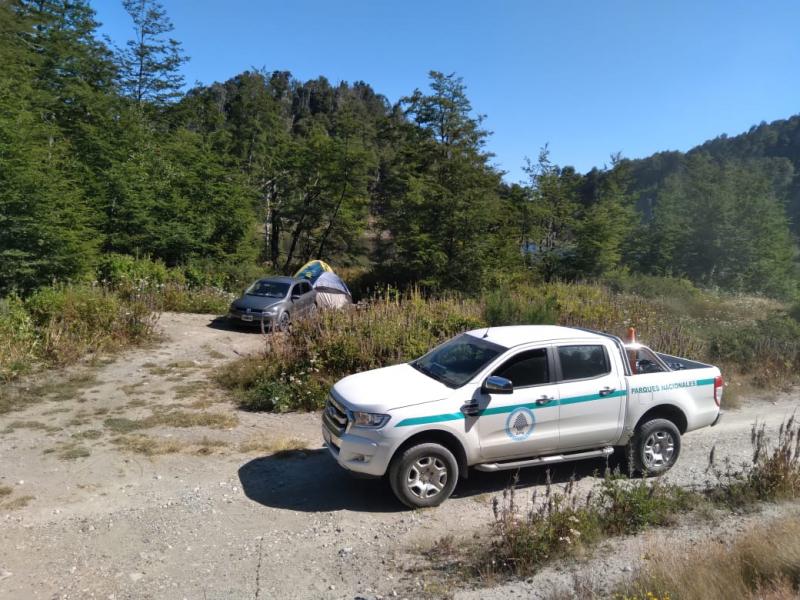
[(458, 360)]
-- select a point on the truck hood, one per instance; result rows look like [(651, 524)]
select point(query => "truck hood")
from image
[(389, 388)]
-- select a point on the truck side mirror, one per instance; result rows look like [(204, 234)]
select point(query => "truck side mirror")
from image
[(497, 385)]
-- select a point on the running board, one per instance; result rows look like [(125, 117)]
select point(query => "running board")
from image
[(545, 460)]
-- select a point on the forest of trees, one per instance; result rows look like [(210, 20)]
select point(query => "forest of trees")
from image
[(102, 151)]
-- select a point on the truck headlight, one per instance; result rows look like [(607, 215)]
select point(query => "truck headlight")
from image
[(365, 419)]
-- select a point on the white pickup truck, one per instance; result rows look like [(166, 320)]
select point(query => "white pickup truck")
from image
[(511, 397)]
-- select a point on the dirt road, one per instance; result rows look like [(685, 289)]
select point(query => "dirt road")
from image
[(139, 480)]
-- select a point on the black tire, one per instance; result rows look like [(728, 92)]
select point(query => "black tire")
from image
[(417, 472), (283, 322), (654, 447)]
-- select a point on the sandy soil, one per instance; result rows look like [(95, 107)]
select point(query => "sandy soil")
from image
[(85, 516)]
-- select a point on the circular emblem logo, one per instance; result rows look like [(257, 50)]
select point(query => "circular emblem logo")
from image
[(519, 424)]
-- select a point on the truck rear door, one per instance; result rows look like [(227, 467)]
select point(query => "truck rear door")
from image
[(592, 394)]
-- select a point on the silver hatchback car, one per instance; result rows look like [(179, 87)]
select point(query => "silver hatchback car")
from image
[(273, 302)]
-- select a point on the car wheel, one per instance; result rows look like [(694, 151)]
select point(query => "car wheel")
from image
[(655, 447), (283, 322), (423, 475)]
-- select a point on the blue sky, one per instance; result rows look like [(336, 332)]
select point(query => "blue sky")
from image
[(588, 78)]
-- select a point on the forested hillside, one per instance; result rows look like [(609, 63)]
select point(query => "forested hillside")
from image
[(102, 155)]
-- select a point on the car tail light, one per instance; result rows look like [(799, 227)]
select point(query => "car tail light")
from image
[(719, 384)]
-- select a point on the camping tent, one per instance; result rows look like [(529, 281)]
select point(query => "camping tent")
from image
[(313, 269), (332, 292)]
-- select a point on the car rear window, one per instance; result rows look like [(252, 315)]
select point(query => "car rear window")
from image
[(583, 362)]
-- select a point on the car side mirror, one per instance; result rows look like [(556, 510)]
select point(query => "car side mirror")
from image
[(497, 385)]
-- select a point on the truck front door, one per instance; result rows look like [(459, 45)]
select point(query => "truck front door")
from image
[(592, 397), (525, 422)]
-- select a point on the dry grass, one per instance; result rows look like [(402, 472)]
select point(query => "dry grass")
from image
[(152, 446), (73, 451), (34, 425), (277, 447), (190, 389), (18, 396), (147, 445), (5, 490), (761, 564), (16, 503), (89, 434), (172, 418)]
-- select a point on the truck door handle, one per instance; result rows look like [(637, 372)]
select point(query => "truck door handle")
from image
[(544, 400), (607, 390), (471, 409)]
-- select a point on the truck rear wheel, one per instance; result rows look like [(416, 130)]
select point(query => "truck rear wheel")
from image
[(655, 447), (423, 475)]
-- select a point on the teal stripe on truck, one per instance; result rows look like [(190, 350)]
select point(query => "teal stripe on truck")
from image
[(530, 405)]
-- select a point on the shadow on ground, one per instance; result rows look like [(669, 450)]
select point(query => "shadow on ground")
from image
[(311, 481), (222, 323)]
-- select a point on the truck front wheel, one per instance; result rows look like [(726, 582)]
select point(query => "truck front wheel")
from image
[(654, 447), (423, 475)]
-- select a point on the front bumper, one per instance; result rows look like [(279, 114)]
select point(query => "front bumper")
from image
[(354, 452), (251, 318)]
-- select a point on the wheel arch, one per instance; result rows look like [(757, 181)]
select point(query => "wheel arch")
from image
[(669, 412), (441, 437)]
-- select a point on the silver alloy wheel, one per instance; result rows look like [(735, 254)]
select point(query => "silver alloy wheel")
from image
[(427, 477), (659, 448), (283, 322)]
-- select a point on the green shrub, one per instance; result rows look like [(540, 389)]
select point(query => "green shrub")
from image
[(71, 320), (18, 340), (564, 521), (118, 269), (773, 473), (296, 370)]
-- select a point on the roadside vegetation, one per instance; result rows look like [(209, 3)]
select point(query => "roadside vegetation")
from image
[(59, 324), (754, 340), (564, 522), (763, 564)]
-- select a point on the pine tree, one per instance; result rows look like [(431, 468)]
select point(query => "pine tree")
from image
[(150, 63)]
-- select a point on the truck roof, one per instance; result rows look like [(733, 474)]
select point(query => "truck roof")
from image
[(514, 335)]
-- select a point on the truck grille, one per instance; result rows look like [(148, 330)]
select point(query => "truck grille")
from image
[(335, 417)]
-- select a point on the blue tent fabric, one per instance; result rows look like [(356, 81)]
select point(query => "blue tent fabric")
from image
[(327, 281)]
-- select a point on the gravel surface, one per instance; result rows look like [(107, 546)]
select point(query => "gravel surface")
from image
[(210, 521)]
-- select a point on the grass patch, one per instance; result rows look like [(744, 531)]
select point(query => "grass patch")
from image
[(215, 354), (190, 389), (89, 434), (33, 425), (147, 445), (17, 396), (764, 563), (17, 503), (772, 475), (277, 447), (5, 491), (73, 452), (152, 446), (208, 446), (563, 522), (172, 418), (60, 324)]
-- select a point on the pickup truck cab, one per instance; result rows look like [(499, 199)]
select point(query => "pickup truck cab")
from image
[(511, 397)]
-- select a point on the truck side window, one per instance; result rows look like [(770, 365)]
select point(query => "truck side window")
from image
[(583, 362), (526, 368)]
